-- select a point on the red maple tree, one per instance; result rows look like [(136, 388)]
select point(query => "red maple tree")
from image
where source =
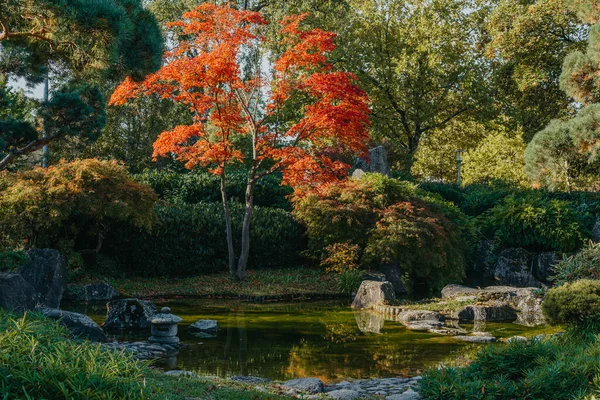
[(293, 109)]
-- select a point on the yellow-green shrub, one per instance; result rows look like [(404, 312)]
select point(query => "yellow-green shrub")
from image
[(576, 303)]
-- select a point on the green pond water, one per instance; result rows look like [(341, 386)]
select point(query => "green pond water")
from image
[(308, 339)]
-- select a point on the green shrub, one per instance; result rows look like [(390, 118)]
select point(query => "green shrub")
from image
[(391, 221), (536, 222), (70, 206), (190, 239), (583, 265), (12, 260), (39, 361), (480, 197), (576, 303), (198, 186), (350, 281), (557, 368)]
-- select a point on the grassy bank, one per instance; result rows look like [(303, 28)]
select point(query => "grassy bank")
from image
[(38, 360), (260, 283)]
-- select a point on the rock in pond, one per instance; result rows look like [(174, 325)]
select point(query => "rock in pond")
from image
[(500, 313), (371, 293), (476, 339), (129, 314), (304, 385), (344, 394), (16, 294), (46, 272), (204, 328), (81, 326), (406, 317), (92, 292)]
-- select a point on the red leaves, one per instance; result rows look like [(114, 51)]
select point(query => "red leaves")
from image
[(204, 73)]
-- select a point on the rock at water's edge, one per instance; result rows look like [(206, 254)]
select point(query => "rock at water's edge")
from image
[(129, 314), (80, 325), (92, 292), (46, 272), (305, 385), (16, 294), (371, 293)]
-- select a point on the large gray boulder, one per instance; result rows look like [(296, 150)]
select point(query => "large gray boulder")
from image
[(530, 310), (371, 294), (129, 314), (47, 273), (452, 291), (81, 326), (304, 385), (514, 268), (377, 162), (544, 266), (16, 294), (92, 292)]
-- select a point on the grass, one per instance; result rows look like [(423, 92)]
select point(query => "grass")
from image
[(259, 283), (38, 360)]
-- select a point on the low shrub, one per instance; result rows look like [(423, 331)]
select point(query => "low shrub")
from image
[(350, 281), (391, 221), (200, 186), (535, 222), (583, 265), (190, 239), (11, 260), (576, 303), (557, 368), (341, 257), (71, 206), (39, 361)]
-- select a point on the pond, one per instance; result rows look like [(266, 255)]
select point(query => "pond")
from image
[(324, 339)]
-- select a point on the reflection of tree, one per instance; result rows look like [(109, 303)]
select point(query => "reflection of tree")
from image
[(240, 328)]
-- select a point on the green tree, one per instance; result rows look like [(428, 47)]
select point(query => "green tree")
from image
[(77, 42), (528, 41), (419, 62)]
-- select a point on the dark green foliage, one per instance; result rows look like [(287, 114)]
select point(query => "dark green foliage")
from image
[(583, 265), (448, 191), (197, 186), (536, 222), (190, 239), (392, 222), (350, 281), (12, 260), (576, 303), (552, 369), (39, 361)]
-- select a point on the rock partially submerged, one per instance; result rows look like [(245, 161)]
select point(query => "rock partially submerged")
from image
[(499, 313), (204, 328), (372, 293), (476, 339), (81, 326), (129, 314)]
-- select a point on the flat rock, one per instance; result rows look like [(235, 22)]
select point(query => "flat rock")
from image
[(250, 380), (81, 326), (476, 339), (129, 314), (424, 326), (140, 350), (208, 326), (500, 313), (16, 294), (46, 271), (408, 395), (343, 394), (372, 293), (452, 291), (182, 373), (305, 385), (409, 316)]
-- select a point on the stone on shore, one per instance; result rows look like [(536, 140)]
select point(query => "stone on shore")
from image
[(81, 326), (46, 272), (129, 314), (476, 339), (452, 291), (304, 385), (92, 292), (16, 294), (344, 394), (371, 293)]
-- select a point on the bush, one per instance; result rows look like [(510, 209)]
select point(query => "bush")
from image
[(341, 257), (12, 260), (583, 265), (536, 222), (350, 281), (197, 186), (190, 239), (39, 361), (576, 303), (391, 222), (70, 206), (557, 368)]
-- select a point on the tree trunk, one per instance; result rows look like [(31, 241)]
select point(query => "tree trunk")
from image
[(230, 250), (245, 251)]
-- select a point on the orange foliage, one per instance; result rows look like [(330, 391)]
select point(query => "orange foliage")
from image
[(204, 73)]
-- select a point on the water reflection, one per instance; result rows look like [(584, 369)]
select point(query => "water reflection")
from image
[(321, 339)]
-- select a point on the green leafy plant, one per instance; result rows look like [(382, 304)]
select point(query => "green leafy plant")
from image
[(583, 265), (391, 221), (12, 260), (576, 303), (350, 281)]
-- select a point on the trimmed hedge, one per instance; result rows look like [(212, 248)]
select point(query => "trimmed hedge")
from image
[(190, 239), (575, 303), (197, 186)]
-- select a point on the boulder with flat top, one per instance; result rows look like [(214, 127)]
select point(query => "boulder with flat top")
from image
[(372, 293)]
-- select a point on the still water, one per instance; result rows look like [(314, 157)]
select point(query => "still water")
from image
[(309, 339)]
